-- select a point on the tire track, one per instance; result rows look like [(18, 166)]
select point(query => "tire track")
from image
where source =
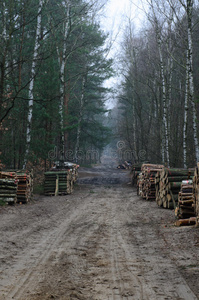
[(30, 266), (41, 254), (108, 245), (160, 276), (127, 285)]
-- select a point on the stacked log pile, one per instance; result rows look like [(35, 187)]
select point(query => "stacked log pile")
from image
[(126, 165), (57, 183), (61, 181), (146, 182), (168, 185), (25, 186), (196, 192), (185, 209), (135, 171), (8, 190), (24, 180)]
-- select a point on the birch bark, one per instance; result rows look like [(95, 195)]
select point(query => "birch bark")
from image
[(190, 75), (165, 137), (81, 106), (62, 63), (186, 115), (163, 98), (32, 79)]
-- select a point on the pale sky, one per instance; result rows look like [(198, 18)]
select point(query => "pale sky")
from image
[(117, 13)]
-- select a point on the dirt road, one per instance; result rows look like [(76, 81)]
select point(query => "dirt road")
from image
[(103, 242)]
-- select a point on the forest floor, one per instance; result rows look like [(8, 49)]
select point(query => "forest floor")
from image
[(102, 242)]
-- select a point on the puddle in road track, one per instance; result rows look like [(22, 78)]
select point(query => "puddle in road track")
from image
[(103, 175), (102, 180)]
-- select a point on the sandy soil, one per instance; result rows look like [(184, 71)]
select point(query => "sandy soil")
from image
[(103, 242)]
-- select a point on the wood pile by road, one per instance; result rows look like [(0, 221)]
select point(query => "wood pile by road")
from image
[(185, 210), (196, 193), (146, 181), (25, 186), (8, 190), (171, 188), (125, 165), (60, 181), (16, 186), (168, 184)]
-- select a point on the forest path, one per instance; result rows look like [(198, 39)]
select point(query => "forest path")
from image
[(103, 242)]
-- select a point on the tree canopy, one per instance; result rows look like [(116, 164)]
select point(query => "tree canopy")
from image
[(52, 72)]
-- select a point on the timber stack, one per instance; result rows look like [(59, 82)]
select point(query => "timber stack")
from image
[(8, 190), (135, 171), (196, 193), (185, 208), (60, 181), (168, 185), (24, 180), (25, 186), (146, 182)]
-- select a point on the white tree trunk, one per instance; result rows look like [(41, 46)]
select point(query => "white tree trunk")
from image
[(62, 61), (32, 78), (165, 124), (170, 74), (81, 106), (186, 115), (165, 138), (190, 75)]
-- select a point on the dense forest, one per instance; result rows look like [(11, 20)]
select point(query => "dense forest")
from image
[(158, 102), (54, 62)]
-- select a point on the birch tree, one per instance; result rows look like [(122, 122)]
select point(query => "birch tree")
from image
[(189, 11), (186, 108), (187, 5), (32, 79), (155, 22), (81, 107), (62, 58)]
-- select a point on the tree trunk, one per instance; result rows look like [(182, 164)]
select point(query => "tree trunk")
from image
[(186, 116), (32, 78), (82, 99), (155, 22), (62, 61), (165, 124), (190, 74)]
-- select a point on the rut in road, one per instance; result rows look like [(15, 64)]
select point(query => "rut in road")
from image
[(100, 243)]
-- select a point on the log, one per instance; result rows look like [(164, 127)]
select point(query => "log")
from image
[(177, 178), (174, 185), (186, 222), (186, 202), (179, 172)]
